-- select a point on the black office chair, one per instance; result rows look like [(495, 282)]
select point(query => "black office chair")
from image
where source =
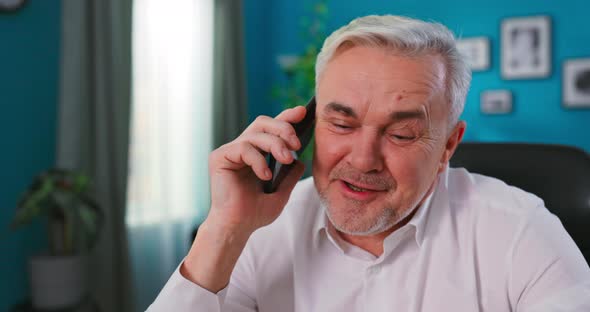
[(560, 175)]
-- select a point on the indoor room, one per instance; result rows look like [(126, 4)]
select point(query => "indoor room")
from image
[(157, 156)]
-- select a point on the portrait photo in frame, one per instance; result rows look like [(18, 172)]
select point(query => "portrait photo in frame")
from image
[(476, 51), (526, 47), (496, 102), (576, 83)]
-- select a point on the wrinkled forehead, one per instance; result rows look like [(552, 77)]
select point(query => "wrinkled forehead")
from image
[(360, 76)]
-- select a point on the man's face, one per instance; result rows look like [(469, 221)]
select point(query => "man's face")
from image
[(380, 137)]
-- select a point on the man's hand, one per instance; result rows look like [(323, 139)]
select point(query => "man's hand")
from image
[(237, 200), (238, 204)]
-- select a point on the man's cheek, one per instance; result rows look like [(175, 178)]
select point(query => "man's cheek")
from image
[(329, 150), (322, 160), (407, 170)]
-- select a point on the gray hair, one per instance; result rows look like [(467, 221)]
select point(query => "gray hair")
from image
[(408, 37)]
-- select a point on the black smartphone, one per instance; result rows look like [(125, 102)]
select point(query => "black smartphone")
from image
[(304, 130)]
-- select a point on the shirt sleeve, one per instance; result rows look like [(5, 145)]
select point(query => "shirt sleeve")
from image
[(181, 295), (548, 271)]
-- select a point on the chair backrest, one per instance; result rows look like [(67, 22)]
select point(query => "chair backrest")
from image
[(560, 175)]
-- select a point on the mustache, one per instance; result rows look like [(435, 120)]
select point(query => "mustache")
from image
[(377, 180)]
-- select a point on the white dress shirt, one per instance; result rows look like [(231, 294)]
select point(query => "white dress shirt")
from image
[(476, 244)]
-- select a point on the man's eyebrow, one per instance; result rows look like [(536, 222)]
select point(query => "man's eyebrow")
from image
[(340, 108), (395, 116), (404, 115)]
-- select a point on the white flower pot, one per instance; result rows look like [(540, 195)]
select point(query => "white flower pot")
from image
[(57, 281)]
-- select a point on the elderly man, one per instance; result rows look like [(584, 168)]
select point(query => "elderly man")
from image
[(384, 224)]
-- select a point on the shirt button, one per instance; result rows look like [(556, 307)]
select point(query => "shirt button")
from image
[(373, 270)]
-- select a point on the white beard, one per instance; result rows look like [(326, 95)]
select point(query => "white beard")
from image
[(385, 221)]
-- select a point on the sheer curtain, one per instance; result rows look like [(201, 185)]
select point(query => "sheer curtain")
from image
[(170, 136)]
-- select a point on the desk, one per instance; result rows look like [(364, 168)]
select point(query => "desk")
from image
[(88, 305)]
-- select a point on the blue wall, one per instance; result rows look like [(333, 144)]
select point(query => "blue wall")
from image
[(29, 42), (272, 28)]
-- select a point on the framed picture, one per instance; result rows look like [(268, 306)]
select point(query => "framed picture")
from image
[(526, 47), (496, 102), (576, 83), (476, 51), (11, 5)]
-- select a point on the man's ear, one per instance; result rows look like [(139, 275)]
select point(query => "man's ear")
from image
[(451, 145)]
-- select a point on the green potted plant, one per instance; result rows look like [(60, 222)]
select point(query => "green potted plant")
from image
[(299, 69), (74, 220)]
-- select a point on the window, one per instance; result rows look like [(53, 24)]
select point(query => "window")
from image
[(171, 117)]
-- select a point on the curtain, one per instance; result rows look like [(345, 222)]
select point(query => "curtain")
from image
[(230, 109), (92, 134), (171, 136)]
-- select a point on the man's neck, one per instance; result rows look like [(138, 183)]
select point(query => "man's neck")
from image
[(374, 243)]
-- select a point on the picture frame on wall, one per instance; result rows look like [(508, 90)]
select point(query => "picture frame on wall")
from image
[(526, 47), (496, 102), (576, 83), (476, 51), (10, 6)]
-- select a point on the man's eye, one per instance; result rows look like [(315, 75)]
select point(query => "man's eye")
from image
[(341, 126), (403, 137)]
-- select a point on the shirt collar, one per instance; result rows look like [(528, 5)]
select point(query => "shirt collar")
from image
[(418, 221), (419, 218)]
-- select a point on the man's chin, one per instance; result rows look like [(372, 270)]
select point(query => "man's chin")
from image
[(352, 219), (360, 229)]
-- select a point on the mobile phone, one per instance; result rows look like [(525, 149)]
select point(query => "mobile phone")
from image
[(304, 131)]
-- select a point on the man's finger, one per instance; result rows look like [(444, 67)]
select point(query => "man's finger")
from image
[(279, 128), (271, 144), (292, 115), (244, 154)]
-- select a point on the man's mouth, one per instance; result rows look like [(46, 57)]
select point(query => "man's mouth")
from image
[(354, 188), (361, 188), (360, 191)]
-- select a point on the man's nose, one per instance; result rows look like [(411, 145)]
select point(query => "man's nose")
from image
[(365, 154)]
